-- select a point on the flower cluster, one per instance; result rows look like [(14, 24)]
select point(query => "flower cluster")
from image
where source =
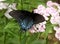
[(7, 6), (52, 9), (55, 17), (38, 27)]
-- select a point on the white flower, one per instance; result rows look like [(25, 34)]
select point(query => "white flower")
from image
[(10, 8), (46, 18), (2, 0), (7, 13), (3, 5)]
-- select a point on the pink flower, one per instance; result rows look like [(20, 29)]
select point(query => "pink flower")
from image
[(57, 29), (52, 4), (52, 11), (37, 11), (57, 35), (38, 27), (40, 9), (32, 29), (49, 3), (55, 20), (52, 20), (46, 12)]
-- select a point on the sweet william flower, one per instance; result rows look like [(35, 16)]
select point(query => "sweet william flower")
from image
[(55, 20), (57, 35), (40, 9), (38, 28), (32, 29), (53, 4), (57, 28), (52, 11), (49, 3)]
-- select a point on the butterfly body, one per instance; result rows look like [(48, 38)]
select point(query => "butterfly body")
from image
[(26, 19)]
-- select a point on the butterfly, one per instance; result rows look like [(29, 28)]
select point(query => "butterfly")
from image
[(26, 19)]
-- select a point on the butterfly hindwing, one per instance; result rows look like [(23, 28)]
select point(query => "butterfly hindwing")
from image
[(38, 18)]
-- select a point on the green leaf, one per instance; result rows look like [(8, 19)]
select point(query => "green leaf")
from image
[(38, 42)]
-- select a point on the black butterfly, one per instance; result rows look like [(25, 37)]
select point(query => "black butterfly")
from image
[(26, 19)]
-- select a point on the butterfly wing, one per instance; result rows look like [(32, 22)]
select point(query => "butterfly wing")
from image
[(23, 17), (38, 18)]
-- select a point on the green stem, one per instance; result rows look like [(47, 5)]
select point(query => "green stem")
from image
[(21, 4), (5, 34)]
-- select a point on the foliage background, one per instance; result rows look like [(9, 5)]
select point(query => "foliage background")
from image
[(9, 28)]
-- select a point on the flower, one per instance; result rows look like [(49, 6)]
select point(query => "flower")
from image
[(55, 20), (49, 3), (7, 13), (10, 8), (53, 4), (52, 11), (32, 29), (57, 35), (3, 5), (57, 29), (41, 27), (2, 0), (38, 27), (40, 9), (46, 18)]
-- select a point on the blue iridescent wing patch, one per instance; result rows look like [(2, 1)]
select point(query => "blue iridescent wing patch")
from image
[(26, 23)]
